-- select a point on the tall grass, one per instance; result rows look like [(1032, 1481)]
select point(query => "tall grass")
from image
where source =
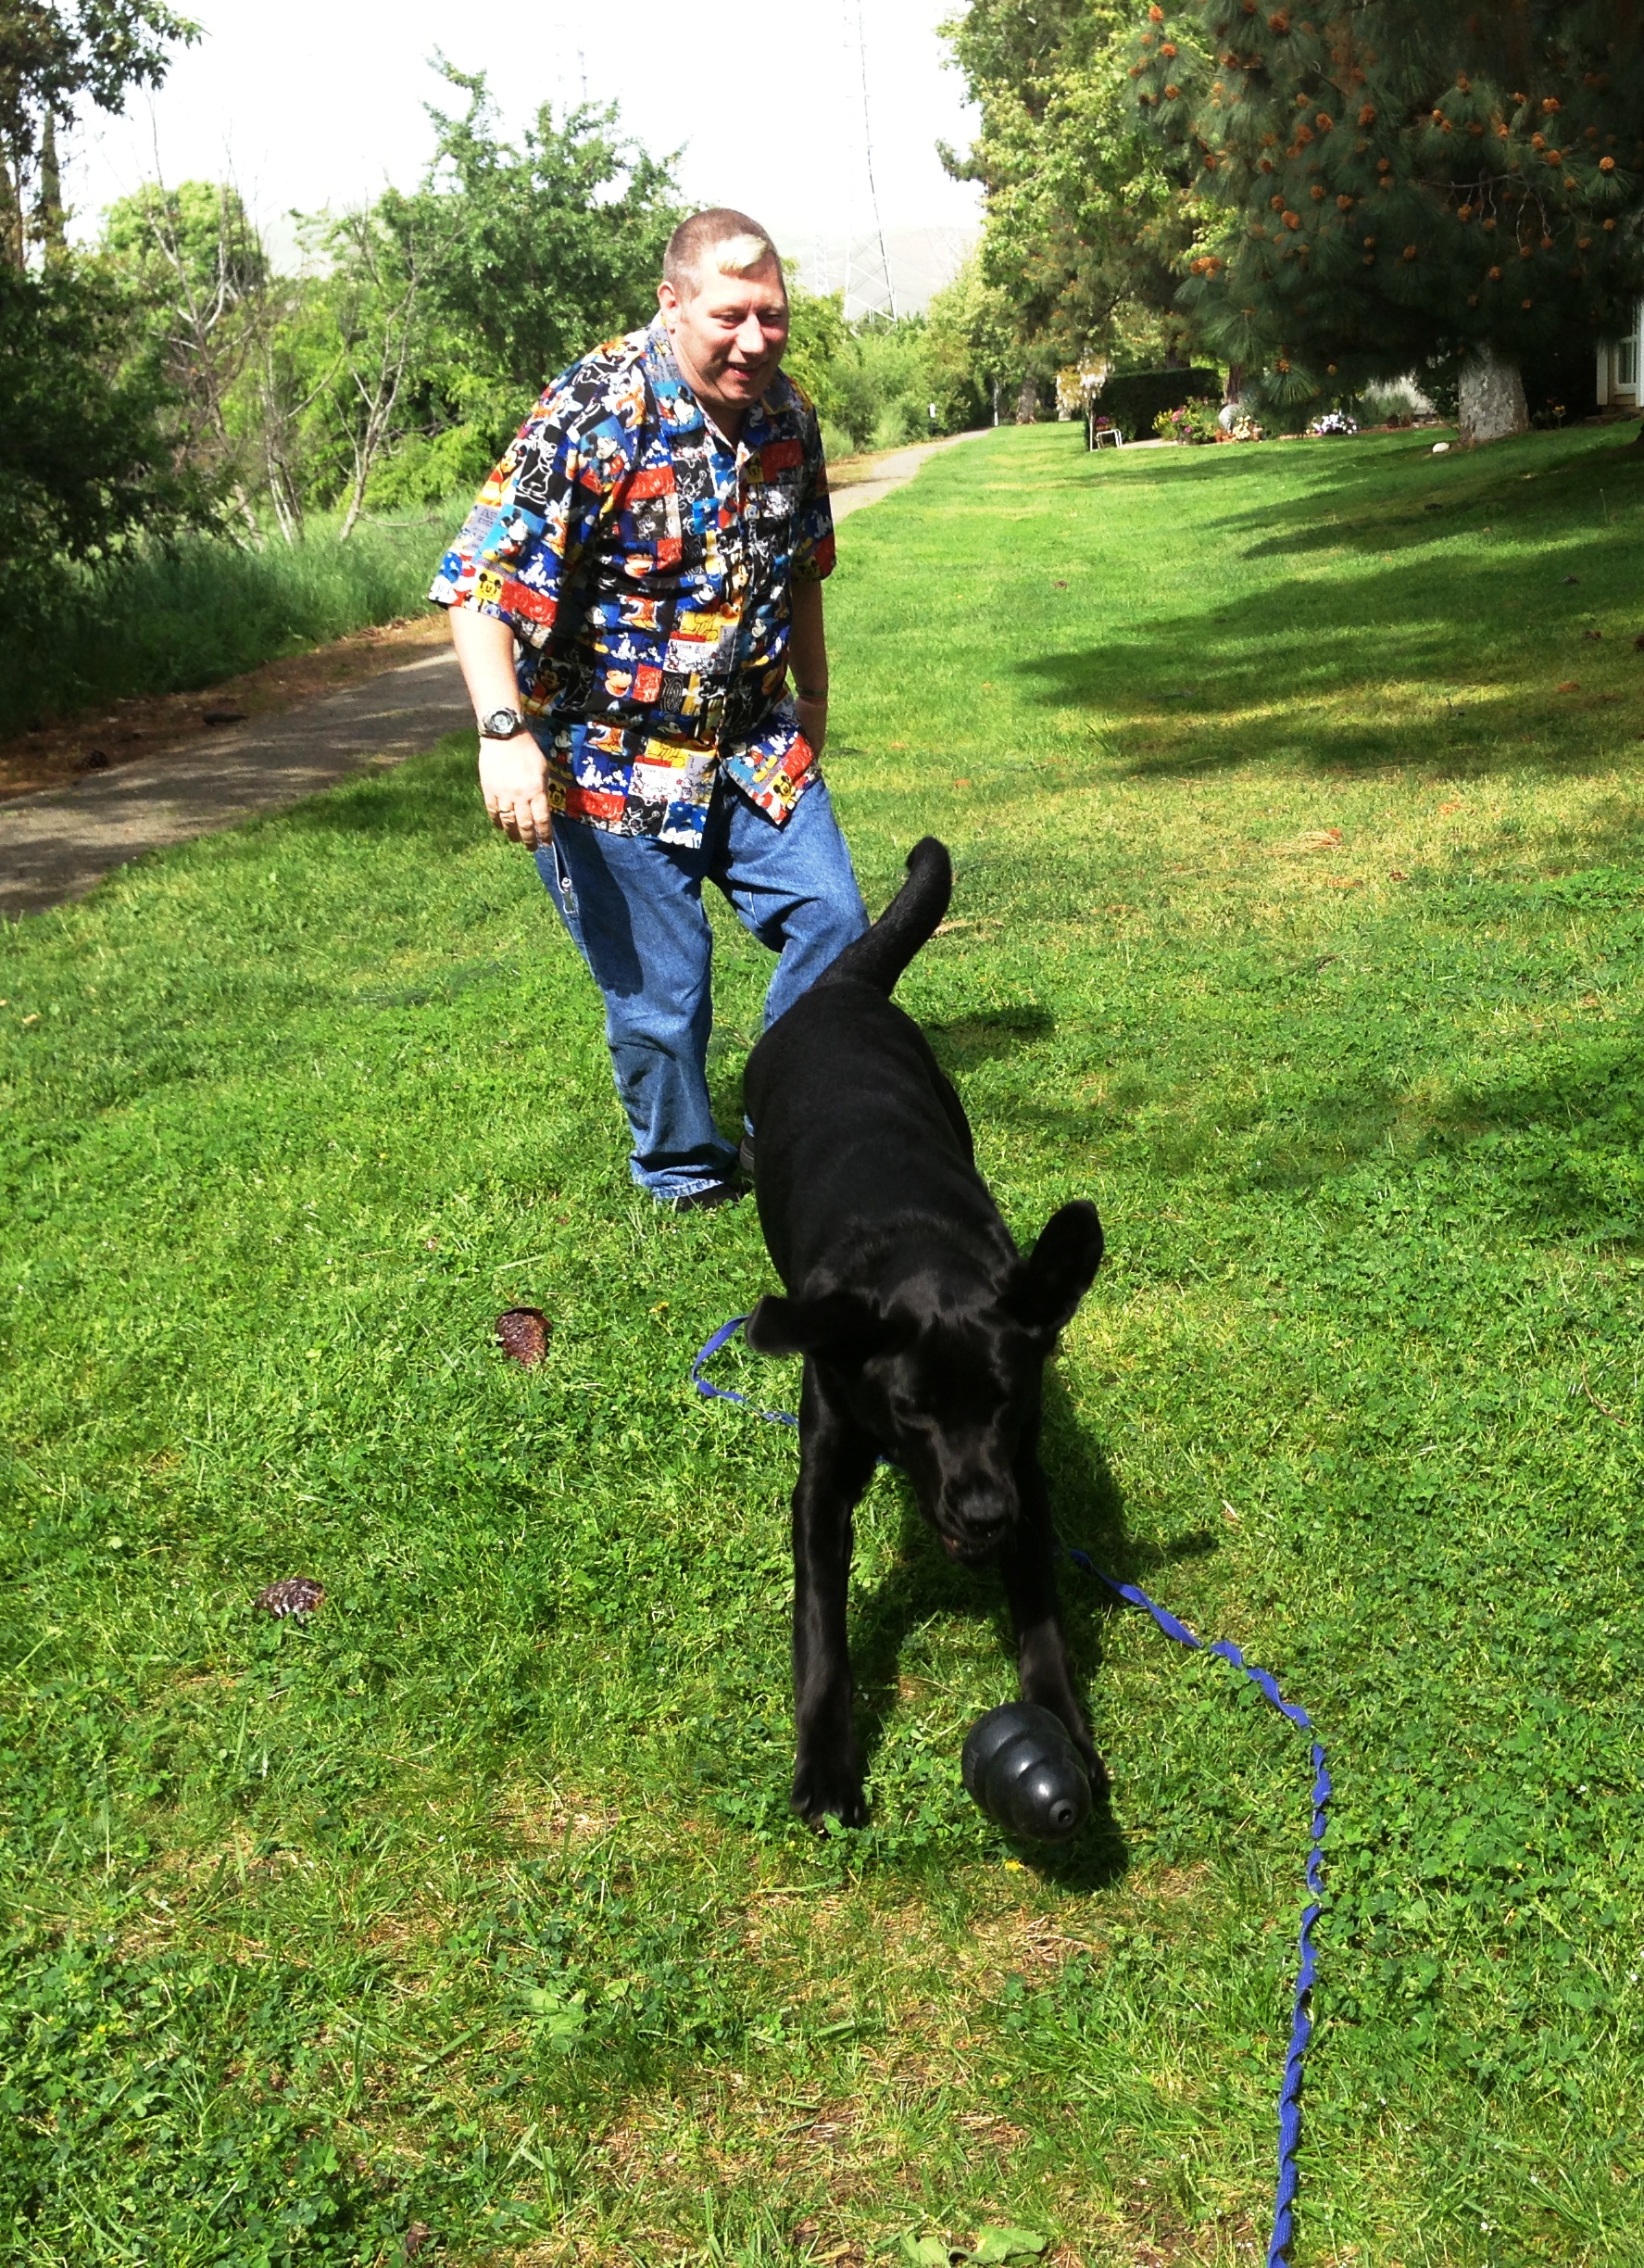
[(166, 620)]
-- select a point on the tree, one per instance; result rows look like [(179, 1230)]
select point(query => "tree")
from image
[(385, 262), (51, 63), (194, 263), (974, 347), (818, 338), (86, 454), (513, 259), (549, 244), (1087, 213), (1405, 179)]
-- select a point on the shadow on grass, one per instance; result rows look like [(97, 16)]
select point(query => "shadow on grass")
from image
[(1400, 496), (984, 1038), (1088, 1509), (1268, 673)]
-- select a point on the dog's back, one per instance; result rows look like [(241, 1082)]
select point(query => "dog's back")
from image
[(854, 1121)]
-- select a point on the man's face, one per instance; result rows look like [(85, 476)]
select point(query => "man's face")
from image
[(729, 334)]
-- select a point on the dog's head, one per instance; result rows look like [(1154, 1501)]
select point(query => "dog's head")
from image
[(941, 1369)]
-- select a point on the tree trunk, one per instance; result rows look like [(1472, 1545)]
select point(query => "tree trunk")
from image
[(1492, 397), (1027, 402), (51, 220), (14, 243)]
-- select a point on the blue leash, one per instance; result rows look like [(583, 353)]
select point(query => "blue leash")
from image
[(1301, 2023)]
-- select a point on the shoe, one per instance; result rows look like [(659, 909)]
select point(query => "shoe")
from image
[(745, 1156), (706, 1200)]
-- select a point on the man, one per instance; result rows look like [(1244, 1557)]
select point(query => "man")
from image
[(628, 597)]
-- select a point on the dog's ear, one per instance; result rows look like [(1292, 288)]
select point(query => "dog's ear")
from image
[(839, 1323), (1057, 1272)]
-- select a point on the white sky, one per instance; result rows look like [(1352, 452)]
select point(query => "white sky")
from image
[(313, 102)]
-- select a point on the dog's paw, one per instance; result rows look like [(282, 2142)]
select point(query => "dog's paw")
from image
[(820, 1793), (1095, 1768)]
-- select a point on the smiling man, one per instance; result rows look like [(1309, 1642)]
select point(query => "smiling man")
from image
[(630, 596)]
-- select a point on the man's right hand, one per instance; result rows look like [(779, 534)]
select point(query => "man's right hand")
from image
[(514, 782)]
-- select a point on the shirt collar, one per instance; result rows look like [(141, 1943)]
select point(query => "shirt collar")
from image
[(684, 412)]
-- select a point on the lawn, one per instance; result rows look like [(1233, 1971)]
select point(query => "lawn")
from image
[(1296, 811)]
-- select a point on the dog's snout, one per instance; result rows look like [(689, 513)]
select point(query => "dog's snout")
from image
[(979, 1511)]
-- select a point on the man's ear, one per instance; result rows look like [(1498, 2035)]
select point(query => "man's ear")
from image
[(1057, 1272), (839, 1323)]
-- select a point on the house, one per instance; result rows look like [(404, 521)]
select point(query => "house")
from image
[(1620, 361)]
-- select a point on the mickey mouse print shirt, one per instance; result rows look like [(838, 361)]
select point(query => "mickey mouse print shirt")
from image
[(644, 564)]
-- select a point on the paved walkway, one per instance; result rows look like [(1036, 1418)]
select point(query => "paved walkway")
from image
[(59, 842)]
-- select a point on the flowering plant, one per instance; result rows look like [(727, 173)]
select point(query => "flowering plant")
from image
[(1193, 422), (1334, 422)]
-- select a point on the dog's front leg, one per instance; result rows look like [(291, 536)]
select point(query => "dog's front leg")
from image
[(836, 1464), (1027, 1563)]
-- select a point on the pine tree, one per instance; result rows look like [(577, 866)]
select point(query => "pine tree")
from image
[(1400, 178)]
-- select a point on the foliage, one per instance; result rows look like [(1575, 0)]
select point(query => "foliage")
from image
[(530, 254), (1086, 215), (1298, 922), (164, 618), (54, 61), (971, 328), (85, 441), (86, 438), (1192, 422), (875, 384), (819, 339), (884, 384), (1395, 183), (1135, 400), (192, 265), (382, 274)]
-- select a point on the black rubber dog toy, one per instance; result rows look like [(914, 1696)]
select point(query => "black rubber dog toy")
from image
[(1025, 1772)]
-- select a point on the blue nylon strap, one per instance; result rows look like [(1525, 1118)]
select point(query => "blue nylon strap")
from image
[(1301, 2023), (728, 1393)]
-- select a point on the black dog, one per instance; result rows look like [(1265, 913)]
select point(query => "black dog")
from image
[(923, 1330)]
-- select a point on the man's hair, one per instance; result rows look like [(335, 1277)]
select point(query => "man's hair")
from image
[(722, 239)]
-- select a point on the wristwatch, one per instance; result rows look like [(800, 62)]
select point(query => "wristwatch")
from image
[(502, 725)]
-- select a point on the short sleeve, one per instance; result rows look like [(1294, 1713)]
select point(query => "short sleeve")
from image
[(813, 535), (530, 522)]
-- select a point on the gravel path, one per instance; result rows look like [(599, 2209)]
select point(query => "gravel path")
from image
[(59, 842)]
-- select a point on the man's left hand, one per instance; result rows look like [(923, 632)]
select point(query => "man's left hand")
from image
[(814, 720)]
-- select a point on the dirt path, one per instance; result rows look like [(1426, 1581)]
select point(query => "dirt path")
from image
[(57, 842)]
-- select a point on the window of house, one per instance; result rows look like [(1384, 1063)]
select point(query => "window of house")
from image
[(1626, 361)]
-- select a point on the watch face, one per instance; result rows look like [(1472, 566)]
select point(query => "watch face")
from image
[(501, 725)]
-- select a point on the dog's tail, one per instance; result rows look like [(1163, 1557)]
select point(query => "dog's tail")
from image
[(880, 955)]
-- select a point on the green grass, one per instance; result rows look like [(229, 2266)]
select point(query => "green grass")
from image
[(169, 621), (1298, 920)]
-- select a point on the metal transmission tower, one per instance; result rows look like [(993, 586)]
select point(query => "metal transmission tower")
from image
[(869, 284)]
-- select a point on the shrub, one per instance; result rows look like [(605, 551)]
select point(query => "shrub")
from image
[(1193, 422), (1135, 399)]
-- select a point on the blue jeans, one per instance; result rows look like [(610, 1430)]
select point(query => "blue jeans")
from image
[(633, 908)]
